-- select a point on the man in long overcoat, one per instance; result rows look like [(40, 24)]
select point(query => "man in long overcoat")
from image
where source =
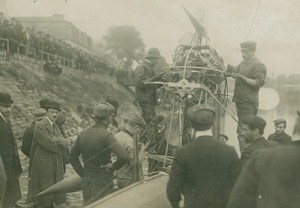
[(9, 153), (47, 162), (202, 169)]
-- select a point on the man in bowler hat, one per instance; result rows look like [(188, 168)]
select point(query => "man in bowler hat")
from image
[(47, 165), (280, 136), (250, 76), (9, 153), (202, 169), (95, 144)]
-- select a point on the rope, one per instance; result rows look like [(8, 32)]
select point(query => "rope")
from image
[(253, 18)]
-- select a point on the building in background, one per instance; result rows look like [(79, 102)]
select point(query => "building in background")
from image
[(60, 29)]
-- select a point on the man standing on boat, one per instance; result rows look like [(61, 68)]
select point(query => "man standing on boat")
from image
[(202, 169), (146, 93), (250, 76)]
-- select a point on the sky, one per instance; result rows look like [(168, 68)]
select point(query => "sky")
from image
[(273, 24)]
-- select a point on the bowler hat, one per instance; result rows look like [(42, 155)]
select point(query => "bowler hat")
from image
[(53, 104), (135, 119), (251, 45), (39, 112), (43, 102), (153, 53), (201, 114), (280, 121), (5, 99), (103, 110)]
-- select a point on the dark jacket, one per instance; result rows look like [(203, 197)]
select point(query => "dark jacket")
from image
[(95, 144), (3, 180), (270, 180), (145, 94), (283, 138), (27, 139), (253, 69), (11, 162), (202, 172), (260, 143)]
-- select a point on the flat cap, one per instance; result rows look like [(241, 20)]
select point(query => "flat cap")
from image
[(135, 120), (52, 104), (255, 122), (5, 99), (201, 114), (251, 45), (103, 110), (279, 121), (39, 112)]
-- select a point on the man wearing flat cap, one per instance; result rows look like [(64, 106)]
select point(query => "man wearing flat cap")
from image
[(47, 159), (146, 93), (132, 171), (252, 130), (9, 153), (250, 76), (95, 145), (39, 114), (202, 169), (280, 136)]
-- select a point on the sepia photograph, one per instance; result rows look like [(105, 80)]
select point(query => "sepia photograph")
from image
[(149, 104)]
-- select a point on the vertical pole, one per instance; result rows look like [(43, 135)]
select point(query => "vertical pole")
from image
[(7, 50), (136, 159)]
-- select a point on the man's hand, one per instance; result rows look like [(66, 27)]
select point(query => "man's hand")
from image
[(109, 167), (230, 71)]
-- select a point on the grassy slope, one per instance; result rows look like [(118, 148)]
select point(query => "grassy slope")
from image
[(28, 84)]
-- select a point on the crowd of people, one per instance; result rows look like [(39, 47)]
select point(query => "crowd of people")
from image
[(40, 45), (206, 171)]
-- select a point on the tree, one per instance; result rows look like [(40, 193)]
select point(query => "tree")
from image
[(124, 44)]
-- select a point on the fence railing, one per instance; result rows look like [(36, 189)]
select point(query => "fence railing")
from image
[(11, 50)]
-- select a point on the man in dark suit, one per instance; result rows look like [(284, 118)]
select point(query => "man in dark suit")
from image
[(9, 153), (202, 169), (269, 180)]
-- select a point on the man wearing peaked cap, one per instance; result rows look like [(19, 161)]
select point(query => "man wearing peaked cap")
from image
[(131, 128), (95, 144), (146, 93), (280, 136), (9, 153), (250, 76), (252, 130), (199, 179)]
